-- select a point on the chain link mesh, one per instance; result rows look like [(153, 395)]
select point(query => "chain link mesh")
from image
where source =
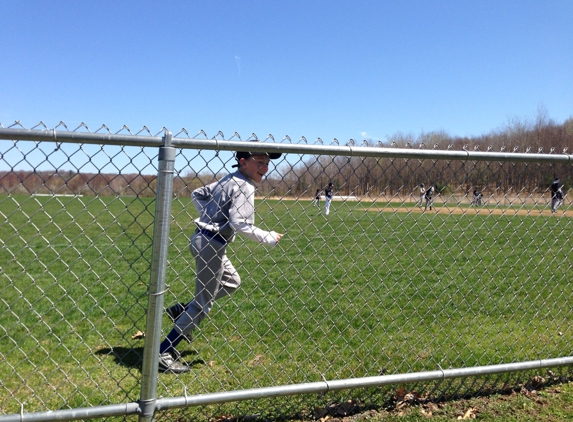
[(382, 285)]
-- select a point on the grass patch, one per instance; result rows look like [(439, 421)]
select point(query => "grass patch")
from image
[(345, 296)]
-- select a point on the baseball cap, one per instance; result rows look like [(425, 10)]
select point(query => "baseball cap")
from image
[(248, 154)]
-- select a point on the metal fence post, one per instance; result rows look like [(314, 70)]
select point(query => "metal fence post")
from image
[(164, 197)]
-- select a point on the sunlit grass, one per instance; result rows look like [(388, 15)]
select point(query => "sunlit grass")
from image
[(345, 296)]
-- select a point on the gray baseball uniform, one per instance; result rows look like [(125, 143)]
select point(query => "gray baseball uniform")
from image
[(225, 207)]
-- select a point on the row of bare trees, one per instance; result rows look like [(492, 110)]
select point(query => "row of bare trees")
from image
[(365, 176), (355, 176), (61, 182), (65, 182)]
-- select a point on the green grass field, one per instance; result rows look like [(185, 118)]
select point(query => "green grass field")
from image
[(345, 296)]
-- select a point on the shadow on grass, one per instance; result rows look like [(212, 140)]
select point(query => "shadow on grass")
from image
[(133, 357)]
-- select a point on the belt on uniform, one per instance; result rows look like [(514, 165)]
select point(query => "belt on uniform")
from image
[(213, 236)]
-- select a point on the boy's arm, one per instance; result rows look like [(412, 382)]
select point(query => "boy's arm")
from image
[(254, 233)]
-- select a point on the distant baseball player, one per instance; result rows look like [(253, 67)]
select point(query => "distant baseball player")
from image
[(316, 200), (556, 194), (225, 207), (422, 194), (429, 197), (328, 200), (477, 197)]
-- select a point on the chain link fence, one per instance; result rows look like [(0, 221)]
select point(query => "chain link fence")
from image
[(390, 298)]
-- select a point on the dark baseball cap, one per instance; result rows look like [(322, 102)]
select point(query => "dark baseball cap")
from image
[(248, 154)]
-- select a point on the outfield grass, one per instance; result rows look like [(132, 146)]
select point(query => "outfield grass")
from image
[(366, 289)]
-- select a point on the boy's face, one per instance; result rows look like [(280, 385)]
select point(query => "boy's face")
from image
[(255, 167)]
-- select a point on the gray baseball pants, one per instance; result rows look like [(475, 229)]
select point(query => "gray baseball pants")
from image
[(216, 278)]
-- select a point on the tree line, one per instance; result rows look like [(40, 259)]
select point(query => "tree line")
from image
[(354, 176), (65, 182), (373, 177)]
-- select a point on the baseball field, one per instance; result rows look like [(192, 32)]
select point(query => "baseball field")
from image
[(372, 288)]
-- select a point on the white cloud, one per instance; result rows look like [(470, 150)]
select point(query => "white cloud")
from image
[(238, 61)]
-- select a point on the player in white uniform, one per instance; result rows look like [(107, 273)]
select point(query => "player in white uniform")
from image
[(422, 194), (225, 208), (328, 199)]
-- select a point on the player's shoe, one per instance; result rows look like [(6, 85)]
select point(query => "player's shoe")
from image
[(167, 363), (175, 311)]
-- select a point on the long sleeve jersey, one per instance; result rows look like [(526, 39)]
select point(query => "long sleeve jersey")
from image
[(228, 206)]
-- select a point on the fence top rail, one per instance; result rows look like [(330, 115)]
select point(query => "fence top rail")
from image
[(53, 135), (370, 151), (256, 146)]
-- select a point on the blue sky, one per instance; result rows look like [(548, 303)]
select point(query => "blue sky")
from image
[(319, 69)]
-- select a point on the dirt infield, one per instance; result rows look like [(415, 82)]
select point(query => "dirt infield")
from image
[(395, 204), (477, 211)]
